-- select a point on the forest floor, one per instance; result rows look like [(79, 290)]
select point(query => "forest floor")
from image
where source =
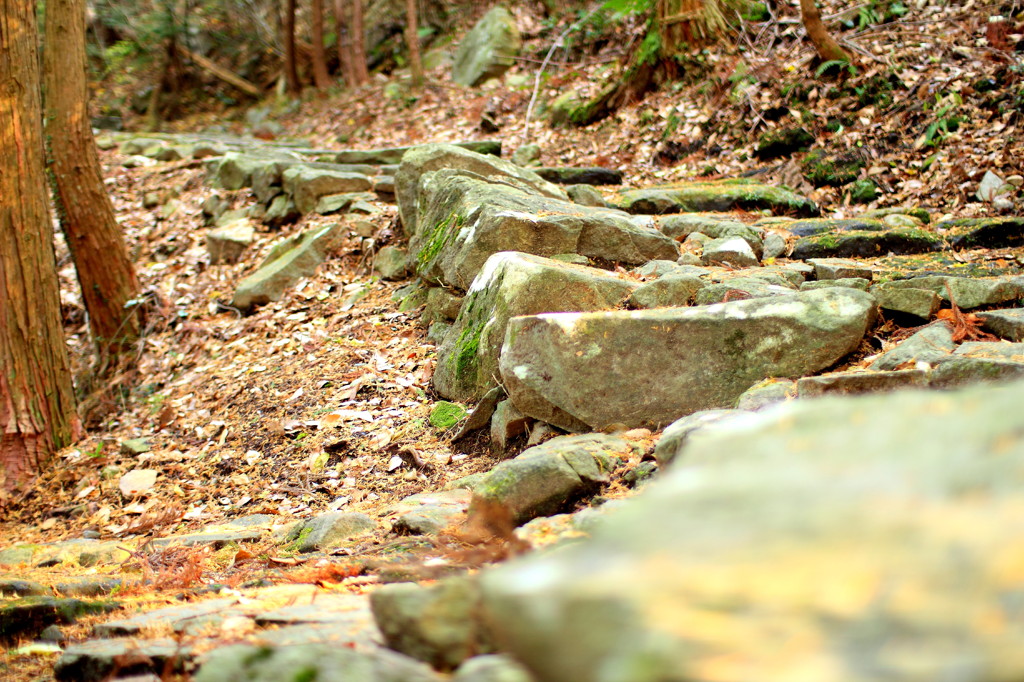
[(301, 407)]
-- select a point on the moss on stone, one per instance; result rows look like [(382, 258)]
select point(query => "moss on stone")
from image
[(466, 351), (440, 234), (833, 170), (444, 415)]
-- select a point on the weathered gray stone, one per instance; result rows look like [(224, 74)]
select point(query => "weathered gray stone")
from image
[(713, 225), (766, 393), (470, 219), (921, 303), (421, 160), (392, 262), (513, 284), (740, 288), (307, 185), (816, 226), (837, 268), (993, 351), (959, 371), (850, 282), (492, 668), (1008, 323), (236, 170), (329, 529), (675, 437), (527, 155), (430, 513), (723, 195), (667, 291), (437, 624), (732, 251), (798, 547), (992, 233), (351, 202), (773, 245), (88, 586), (326, 662), (28, 616), (968, 292), (488, 50), (866, 243), (226, 244), (507, 423), (133, 447), (547, 478), (288, 262), (21, 588), (281, 211), (598, 369), (854, 383), (170, 616), (100, 659), (580, 176), (586, 195), (930, 345), (396, 155)]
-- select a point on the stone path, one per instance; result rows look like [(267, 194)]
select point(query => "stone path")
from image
[(792, 535)]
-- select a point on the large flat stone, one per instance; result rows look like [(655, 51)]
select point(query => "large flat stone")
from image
[(652, 367), (840, 539)]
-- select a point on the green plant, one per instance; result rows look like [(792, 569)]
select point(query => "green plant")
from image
[(835, 66), (945, 120)]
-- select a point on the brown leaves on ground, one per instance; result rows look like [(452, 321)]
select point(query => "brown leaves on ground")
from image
[(966, 326)]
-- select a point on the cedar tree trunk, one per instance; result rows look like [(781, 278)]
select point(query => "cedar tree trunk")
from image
[(320, 76), (291, 71), (37, 405), (344, 42), (828, 49), (362, 74), (412, 37), (86, 215)]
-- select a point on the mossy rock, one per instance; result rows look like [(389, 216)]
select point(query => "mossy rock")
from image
[(444, 415), (783, 142), (863, 191), (865, 244), (833, 170)]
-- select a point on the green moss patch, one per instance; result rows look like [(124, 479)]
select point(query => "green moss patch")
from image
[(445, 415)]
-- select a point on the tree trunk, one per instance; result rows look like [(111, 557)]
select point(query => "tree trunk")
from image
[(359, 69), (320, 76), (412, 37), (86, 215), (37, 405), (828, 49), (344, 42), (291, 71)]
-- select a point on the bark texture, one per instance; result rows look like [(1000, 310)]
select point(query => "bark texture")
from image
[(344, 41), (359, 68), (105, 273), (412, 37), (37, 409), (828, 49), (291, 70), (320, 75)]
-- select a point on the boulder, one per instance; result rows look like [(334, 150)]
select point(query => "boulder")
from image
[(289, 261), (395, 155), (548, 478), (226, 244), (580, 176), (508, 285), (438, 624), (307, 185), (327, 662), (1007, 323), (795, 548), (932, 344), (488, 50), (721, 195), (866, 243), (466, 219), (328, 530), (651, 367), (423, 159), (968, 292)]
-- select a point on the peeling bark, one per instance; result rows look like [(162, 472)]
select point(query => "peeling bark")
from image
[(37, 409)]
